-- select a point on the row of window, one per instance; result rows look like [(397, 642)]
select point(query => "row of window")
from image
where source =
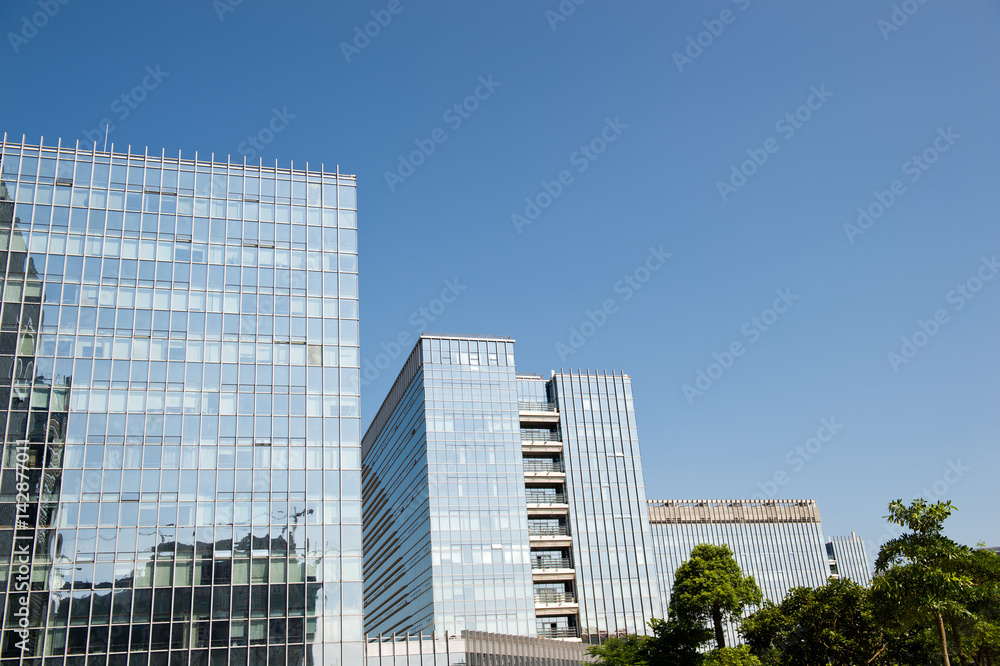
[(145, 175), (332, 651), (244, 247), (153, 203)]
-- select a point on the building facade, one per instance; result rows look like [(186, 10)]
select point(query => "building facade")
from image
[(179, 390), (502, 502), (779, 542), (848, 559), (610, 546)]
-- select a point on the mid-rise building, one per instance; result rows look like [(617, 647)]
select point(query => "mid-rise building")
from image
[(179, 398), (504, 503), (779, 542)]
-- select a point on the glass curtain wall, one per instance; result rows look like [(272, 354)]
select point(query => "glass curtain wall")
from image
[(179, 401), (612, 549)]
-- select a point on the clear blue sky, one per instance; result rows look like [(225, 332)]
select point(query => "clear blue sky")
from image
[(672, 131)]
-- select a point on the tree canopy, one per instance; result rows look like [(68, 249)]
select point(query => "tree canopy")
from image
[(709, 588), (932, 601)]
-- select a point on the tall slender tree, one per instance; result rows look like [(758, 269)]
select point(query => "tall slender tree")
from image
[(923, 576)]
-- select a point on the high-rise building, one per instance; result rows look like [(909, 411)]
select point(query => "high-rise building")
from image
[(179, 389), (504, 503), (848, 559), (779, 542), (445, 523)]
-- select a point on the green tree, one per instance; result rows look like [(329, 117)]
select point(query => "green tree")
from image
[(710, 588), (630, 650), (731, 656), (923, 577), (833, 625), (676, 643), (981, 626)]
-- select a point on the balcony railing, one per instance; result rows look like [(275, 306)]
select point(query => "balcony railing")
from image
[(540, 435), (535, 465), (552, 597), (537, 407), (545, 498), (551, 563), (547, 530), (567, 632)]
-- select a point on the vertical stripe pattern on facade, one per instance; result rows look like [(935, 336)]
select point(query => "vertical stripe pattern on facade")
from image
[(612, 543), (778, 542), (849, 556)]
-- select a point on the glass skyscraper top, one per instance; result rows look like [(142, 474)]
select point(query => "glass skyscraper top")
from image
[(179, 386), (506, 503)]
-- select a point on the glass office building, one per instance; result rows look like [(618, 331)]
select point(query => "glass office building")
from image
[(505, 503), (179, 391), (778, 542), (445, 524)]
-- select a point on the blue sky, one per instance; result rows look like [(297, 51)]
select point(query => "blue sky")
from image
[(628, 151)]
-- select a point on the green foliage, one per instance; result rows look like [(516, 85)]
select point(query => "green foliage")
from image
[(924, 576), (979, 630), (710, 588), (734, 656), (834, 624), (932, 601), (631, 650), (675, 643)]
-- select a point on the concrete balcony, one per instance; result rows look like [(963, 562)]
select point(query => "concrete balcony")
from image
[(538, 412), (549, 536), (551, 569), (553, 503), (530, 446), (550, 541), (569, 634), (555, 604), (547, 509), (543, 470)]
